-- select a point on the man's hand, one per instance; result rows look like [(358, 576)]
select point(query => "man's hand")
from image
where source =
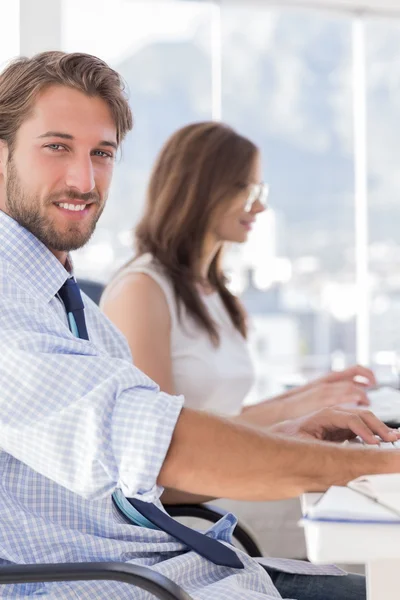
[(338, 425)]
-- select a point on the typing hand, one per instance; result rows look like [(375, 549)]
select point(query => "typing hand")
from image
[(338, 425), (321, 395), (358, 375)]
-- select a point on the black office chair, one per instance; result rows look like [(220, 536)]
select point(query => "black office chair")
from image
[(94, 289), (210, 512), (161, 587)]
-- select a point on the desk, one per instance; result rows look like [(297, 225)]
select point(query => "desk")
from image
[(376, 546)]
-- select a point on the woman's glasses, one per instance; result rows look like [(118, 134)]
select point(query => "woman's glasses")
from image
[(258, 192)]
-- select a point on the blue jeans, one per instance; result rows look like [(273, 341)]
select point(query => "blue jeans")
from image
[(319, 587)]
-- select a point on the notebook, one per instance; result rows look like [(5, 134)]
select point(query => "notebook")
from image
[(367, 499)]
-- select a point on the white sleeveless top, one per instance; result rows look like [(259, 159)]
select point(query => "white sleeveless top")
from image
[(211, 378)]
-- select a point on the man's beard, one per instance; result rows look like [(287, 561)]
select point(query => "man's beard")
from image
[(25, 209)]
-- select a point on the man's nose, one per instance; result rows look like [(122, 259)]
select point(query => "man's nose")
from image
[(80, 175)]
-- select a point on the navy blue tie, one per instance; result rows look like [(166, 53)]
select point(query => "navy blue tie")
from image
[(207, 547), (70, 294)]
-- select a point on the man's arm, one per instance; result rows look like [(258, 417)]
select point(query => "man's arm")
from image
[(211, 456), (334, 425), (91, 422)]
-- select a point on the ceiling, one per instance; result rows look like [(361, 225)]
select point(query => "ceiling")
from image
[(384, 7), (376, 7)]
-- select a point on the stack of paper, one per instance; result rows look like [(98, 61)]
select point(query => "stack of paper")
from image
[(368, 499), (384, 489)]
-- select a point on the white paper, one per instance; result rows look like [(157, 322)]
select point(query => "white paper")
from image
[(343, 503), (384, 488)]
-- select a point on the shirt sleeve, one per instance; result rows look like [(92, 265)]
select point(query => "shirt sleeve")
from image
[(86, 420)]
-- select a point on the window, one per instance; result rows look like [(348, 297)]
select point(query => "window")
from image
[(9, 33), (383, 98), (287, 85)]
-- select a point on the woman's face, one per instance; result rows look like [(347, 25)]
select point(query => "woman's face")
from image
[(235, 221)]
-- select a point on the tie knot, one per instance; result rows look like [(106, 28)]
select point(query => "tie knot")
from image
[(71, 296)]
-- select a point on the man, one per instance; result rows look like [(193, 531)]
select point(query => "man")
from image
[(78, 421)]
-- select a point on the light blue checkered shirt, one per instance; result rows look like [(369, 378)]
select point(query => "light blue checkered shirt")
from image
[(77, 421)]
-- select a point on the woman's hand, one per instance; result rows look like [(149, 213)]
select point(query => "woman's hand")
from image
[(338, 388), (323, 395), (360, 376)]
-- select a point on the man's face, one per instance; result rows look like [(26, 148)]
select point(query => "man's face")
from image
[(55, 182)]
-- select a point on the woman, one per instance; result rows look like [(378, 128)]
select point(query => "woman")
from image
[(186, 330)]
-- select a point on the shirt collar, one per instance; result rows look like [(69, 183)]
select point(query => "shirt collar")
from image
[(42, 272)]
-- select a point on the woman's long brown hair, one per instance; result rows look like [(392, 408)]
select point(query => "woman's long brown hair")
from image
[(197, 170)]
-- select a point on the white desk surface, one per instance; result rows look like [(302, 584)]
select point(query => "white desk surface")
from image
[(377, 546), (348, 542)]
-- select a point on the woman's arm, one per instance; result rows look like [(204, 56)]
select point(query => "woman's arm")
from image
[(138, 307)]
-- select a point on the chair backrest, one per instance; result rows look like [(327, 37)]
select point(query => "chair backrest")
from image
[(93, 289), (213, 513), (143, 577)]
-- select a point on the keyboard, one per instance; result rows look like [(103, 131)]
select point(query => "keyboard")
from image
[(383, 445), (389, 445), (385, 404)]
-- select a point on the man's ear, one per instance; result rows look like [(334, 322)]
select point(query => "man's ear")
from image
[(4, 151)]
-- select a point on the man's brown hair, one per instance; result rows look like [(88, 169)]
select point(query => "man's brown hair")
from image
[(24, 78), (196, 174)]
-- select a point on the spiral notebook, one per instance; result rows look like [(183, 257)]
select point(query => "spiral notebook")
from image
[(368, 499)]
